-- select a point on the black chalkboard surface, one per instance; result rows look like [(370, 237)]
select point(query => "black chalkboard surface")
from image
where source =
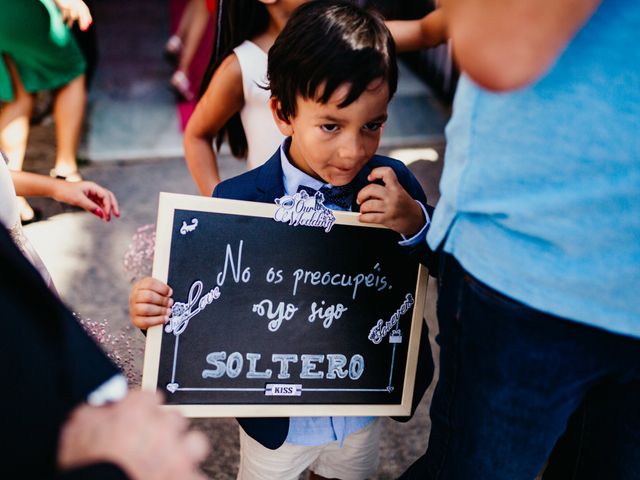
[(275, 319)]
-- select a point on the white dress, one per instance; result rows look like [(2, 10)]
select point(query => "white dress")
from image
[(10, 219), (263, 136)]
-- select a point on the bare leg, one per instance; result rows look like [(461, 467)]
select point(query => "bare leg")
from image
[(68, 114), (186, 19), (14, 121), (14, 131), (199, 19), (173, 47)]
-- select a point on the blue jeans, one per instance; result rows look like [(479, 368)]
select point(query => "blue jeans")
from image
[(513, 379)]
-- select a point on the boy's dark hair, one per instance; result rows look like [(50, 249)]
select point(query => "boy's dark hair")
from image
[(237, 21), (330, 42)]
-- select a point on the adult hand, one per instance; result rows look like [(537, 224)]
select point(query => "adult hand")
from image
[(75, 11), (146, 441), (87, 195)]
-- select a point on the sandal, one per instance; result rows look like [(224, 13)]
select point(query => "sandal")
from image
[(72, 177), (181, 86), (28, 214), (173, 49)]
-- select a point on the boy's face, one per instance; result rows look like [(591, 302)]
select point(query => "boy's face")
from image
[(333, 144)]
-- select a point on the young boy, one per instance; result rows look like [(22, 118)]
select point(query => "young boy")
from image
[(332, 72)]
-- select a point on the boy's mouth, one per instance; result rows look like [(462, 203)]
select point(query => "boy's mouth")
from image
[(342, 177)]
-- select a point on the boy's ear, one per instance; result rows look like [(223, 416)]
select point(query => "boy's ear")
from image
[(281, 121)]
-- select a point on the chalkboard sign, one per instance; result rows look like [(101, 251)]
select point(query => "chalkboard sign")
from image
[(274, 316)]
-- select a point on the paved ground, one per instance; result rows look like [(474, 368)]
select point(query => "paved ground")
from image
[(85, 256)]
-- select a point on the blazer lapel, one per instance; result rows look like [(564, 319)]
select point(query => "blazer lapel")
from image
[(269, 182)]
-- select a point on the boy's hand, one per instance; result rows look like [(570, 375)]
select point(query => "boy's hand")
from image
[(150, 303), (389, 204)]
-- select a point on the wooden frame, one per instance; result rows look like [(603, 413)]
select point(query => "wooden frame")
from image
[(168, 204)]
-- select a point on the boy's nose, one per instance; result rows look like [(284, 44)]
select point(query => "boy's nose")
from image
[(352, 149)]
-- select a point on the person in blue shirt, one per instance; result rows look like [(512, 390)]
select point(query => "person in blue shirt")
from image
[(331, 72), (539, 232)]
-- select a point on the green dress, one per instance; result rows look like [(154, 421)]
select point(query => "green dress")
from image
[(35, 38)]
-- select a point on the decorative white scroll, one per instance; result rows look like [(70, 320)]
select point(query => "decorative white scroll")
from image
[(301, 209), (186, 228), (382, 328), (181, 312)]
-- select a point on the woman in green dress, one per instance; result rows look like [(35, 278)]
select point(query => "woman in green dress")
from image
[(38, 52)]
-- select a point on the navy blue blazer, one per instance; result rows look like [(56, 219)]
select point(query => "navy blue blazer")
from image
[(265, 184), (50, 365)]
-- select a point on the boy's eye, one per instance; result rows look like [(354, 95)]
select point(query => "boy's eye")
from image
[(373, 126), (329, 127)]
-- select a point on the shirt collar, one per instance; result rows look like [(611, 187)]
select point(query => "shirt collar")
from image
[(292, 176)]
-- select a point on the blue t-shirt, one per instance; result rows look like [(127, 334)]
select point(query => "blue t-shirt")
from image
[(541, 186)]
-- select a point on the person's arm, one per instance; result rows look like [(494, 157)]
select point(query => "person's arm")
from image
[(507, 44), (135, 434), (223, 98), (85, 194), (429, 31)]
